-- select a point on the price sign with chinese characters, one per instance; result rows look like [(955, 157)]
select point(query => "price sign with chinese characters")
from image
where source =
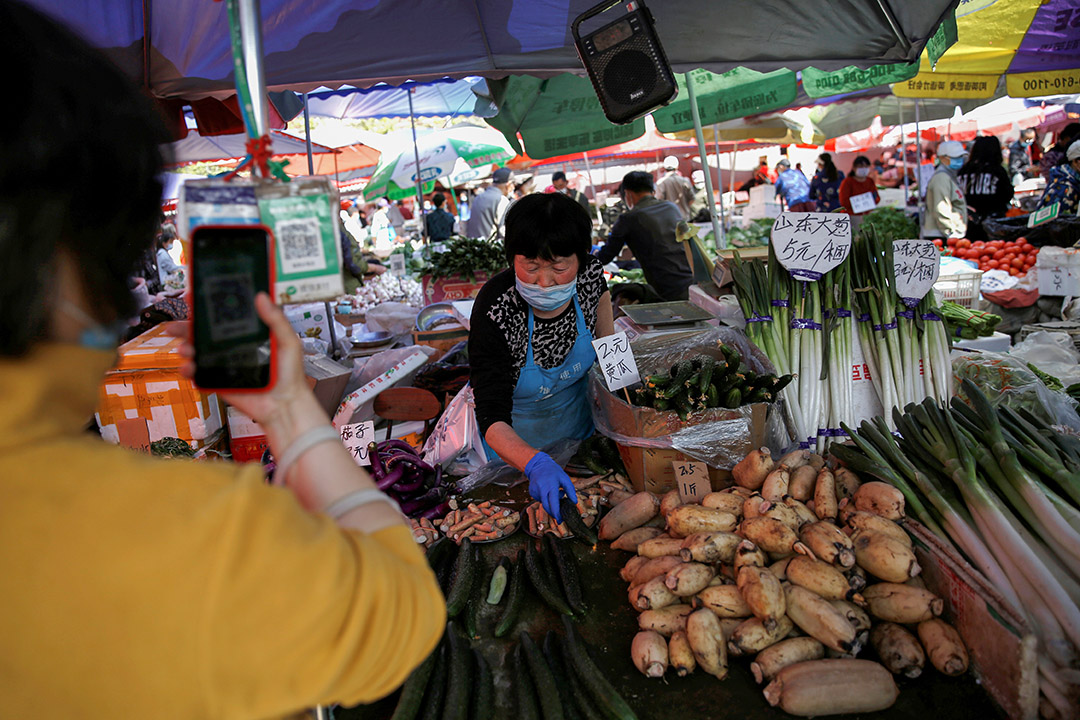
[(616, 361), (863, 203), (811, 244), (691, 480), (1058, 281), (1048, 213), (916, 264), (356, 437), (397, 264), (438, 248)]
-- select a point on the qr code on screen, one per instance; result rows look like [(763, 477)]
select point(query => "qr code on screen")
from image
[(232, 306), (300, 245)]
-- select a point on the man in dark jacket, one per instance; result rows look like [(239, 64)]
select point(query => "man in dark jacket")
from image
[(1024, 156), (648, 228)]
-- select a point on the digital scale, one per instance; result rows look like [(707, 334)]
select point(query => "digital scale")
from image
[(663, 318)]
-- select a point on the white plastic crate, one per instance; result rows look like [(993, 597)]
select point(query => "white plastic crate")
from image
[(962, 288)]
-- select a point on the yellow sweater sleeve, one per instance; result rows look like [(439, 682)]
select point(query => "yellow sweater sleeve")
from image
[(300, 613)]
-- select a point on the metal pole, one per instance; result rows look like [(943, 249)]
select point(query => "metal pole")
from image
[(703, 153), (903, 149), (918, 161), (251, 42), (731, 185), (419, 178), (720, 186), (307, 138), (588, 174)]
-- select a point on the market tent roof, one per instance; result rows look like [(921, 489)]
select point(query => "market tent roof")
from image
[(444, 96), (1034, 44), (196, 148), (361, 42)]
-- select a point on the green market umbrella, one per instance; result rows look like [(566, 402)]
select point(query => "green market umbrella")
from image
[(439, 153), (727, 96)]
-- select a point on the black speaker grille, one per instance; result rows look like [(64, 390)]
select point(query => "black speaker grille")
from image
[(629, 76)]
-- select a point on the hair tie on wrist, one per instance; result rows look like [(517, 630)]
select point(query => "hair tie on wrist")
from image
[(358, 498), (311, 438)]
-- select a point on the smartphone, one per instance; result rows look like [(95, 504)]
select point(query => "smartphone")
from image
[(230, 264)]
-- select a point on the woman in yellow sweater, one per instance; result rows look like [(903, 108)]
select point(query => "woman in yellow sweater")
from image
[(133, 585)]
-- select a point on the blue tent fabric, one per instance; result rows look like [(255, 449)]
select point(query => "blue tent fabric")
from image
[(445, 96), (361, 42)]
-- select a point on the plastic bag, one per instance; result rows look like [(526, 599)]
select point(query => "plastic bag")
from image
[(455, 440), (367, 369), (393, 317), (1063, 231), (1005, 379), (718, 437), (1052, 352), (499, 473)]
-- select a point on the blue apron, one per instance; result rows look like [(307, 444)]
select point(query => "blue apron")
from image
[(552, 404)]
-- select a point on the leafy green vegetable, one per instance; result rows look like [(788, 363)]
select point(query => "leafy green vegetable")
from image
[(171, 447), (466, 256), (755, 234), (891, 224)]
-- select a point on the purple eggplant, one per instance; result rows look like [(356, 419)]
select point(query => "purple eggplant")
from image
[(409, 484), (437, 482), (421, 504), (377, 469), (409, 460), (394, 443), (388, 479), (438, 511)]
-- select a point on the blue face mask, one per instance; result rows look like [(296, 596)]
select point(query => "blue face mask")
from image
[(550, 298), (956, 163), (94, 335)]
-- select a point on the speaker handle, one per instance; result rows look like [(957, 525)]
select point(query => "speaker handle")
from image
[(592, 12)]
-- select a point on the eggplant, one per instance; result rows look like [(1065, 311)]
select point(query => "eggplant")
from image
[(402, 458), (388, 479), (438, 511), (410, 483), (399, 445), (377, 469)]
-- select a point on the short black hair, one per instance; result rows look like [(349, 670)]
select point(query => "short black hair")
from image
[(80, 166), (546, 226), (861, 160), (438, 199), (1071, 131), (639, 181), (558, 175)]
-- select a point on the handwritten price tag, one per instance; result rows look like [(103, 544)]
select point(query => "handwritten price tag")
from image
[(438, 248), (916, 264), (863, 203), (397, 264), (616, 361), (356, 437), (691, 480), (1058, 281), (1045, 215), (811, 244)]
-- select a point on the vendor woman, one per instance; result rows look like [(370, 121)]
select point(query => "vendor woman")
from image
[(530, 343)]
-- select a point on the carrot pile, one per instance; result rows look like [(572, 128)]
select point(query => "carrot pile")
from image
[(480, 522)]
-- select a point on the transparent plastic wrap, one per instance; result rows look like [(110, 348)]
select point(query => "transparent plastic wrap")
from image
[(498, 472), (718, 437), (1007, 380), (1052, 352)]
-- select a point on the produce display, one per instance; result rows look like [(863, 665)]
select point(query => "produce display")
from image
[(1015, 257), (424, 532), (600, 454), (703, 382), (419, 488), (465, 257), (481, 522), (588, 509), (891, 224), (386, 288), (171, 447), (629, 275), (968, 324), (797, 568), (756, 234), (1004, 486)]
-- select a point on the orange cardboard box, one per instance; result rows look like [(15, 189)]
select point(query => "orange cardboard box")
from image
[(146, 383)]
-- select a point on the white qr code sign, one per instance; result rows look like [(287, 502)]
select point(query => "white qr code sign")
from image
[(300, 245), (356, 437)]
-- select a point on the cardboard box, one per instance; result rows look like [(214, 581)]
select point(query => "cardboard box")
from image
[(247, 441), (1001, 645), (327, 379), (442, 339), (455, 287), (146, 383)]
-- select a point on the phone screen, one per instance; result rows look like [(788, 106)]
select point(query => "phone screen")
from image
[(230, 265)]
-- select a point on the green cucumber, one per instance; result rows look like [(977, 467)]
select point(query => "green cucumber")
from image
[(546, 689), (524, 689), (661, 404), (476, 599), (444, 570), (782, 382), (594, 464), (693, 380), (440, 549), (575, 523), (514, 597), (708, 367), (730, 353), (658, 380), (712, 397), (459, 681), (483, 699), (733, 399), (758, 396), (567, 569), (680, 373), (499, 577), (607, 698), (538, 577), (412, 692), (464, 577), (436, 689), (554, 659)]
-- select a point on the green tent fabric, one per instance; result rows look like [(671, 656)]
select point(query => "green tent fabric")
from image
[(727, 96), (818, 83)]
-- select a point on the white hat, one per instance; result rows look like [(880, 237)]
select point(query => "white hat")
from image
[(698, 176), (1073, 152), (671, 163), (951, 149)]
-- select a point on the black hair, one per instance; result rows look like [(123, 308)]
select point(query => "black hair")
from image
[(79, 176), (861, 160), (638, 181), (547, 226), (438, 199), (830, 168), (985, 152), (1070, 131), (558, 175)]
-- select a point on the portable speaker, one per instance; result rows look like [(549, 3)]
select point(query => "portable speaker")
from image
[(626, 62)]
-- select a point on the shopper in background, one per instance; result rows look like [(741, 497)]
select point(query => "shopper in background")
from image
[(858, 191), (137, 585), (1024, 156), (793, 187), (946, 208), (1056, 155), (699, 209), (488, 209), (165, 263), (825, 187), (675, 188), (395, 216), (648, 228), (986, 185), (440, 224), (560, 184), (1064, 186)]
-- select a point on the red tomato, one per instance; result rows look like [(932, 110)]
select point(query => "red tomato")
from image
[(938, 243), (1033, 251), (1027, 247), (951, 242), (1013, 271), (963, 243), (992, 264), (995, 244), (1018, 263), (999, 254)]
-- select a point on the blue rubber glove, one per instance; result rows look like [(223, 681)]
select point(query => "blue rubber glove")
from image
[(546, 478)]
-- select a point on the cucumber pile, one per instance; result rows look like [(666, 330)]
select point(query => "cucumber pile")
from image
[(600, 454), (705, 382)]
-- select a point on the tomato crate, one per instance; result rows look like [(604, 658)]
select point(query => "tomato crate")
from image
[(962, 288)]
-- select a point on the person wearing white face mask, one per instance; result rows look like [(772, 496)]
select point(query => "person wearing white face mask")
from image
[(166, 265), (946, 208), (530, 341), (858, 192)]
